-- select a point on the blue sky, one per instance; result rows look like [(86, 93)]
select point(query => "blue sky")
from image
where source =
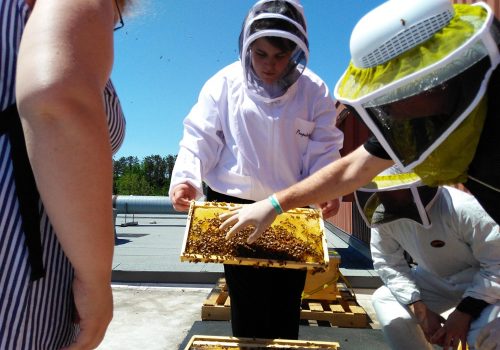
[(169, 48)]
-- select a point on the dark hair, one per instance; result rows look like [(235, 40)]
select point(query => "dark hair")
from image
[(283, 8), (283, 44)]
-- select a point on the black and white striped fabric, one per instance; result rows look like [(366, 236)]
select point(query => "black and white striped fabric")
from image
[(33, 315), (116, 120)]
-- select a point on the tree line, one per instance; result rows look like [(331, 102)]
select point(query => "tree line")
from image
[(147, 177)]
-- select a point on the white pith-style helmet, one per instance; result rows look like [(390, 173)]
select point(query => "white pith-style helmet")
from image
[(377, 39), (281, 19), (405, 52)]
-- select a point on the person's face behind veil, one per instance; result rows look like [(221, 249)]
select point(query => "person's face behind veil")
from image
[(268, 61), (397, 202), (440, 100)]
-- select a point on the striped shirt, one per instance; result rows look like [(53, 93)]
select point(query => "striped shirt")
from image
[(33, 315)]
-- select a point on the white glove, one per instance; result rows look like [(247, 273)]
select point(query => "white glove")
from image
[(489, 337), (260, 215)]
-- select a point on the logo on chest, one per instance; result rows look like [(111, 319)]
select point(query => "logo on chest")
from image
[(303, 134), (437, 243)]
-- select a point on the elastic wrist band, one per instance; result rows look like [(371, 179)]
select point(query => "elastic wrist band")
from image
[(276, 205), (472, 306)]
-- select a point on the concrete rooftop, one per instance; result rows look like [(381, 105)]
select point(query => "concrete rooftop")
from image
[(158, 299)]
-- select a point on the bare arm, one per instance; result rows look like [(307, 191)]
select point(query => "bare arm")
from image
[(428, 320), (64, 62), (334, 180)]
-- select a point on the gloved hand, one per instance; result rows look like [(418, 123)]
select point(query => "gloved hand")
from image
[(489, 337), (260, 215)]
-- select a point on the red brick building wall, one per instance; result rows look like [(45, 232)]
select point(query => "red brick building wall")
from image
[(355, 134)]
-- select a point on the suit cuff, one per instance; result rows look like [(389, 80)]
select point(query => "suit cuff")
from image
[(472, 306)]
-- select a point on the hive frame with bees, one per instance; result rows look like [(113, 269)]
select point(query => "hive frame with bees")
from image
[(205, 342), (302, 230)]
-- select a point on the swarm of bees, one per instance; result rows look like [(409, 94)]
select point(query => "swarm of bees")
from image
[(295, 236)]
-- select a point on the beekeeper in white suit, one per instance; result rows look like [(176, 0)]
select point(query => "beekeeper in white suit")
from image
[(260, 124), (455, 246), (424, 77)]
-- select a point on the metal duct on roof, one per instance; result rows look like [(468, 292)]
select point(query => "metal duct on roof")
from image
[(143, 205)]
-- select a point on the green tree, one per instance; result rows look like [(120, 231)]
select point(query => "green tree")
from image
[(170, 160), (133, 184), (122, 166), (155, 172), (150, 176)]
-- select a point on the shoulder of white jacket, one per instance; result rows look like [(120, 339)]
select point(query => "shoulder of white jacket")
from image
[(223, 80), (310, 77), (457, 195), (230, 73), (466, 204), (230, 70)]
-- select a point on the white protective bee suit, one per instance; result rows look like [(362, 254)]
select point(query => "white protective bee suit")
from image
[(246, 138), (248, 147), (457, 257)]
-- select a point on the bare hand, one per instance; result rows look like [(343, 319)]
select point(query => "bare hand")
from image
[(260, 215), (330, 208), (454, 331), (182, 195), (429, 321), (94, 307), (489, 337)]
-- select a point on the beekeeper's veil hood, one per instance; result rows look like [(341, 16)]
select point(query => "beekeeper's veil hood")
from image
[(274, 18), (394, 195), (418, 75)]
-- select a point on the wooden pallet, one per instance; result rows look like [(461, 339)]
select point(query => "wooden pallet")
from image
[(342, 312), (218, 304)]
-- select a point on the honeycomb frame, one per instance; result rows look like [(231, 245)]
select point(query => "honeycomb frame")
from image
[(302, 229)]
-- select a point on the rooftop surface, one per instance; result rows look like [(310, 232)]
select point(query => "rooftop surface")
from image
[(148, 248), (158, 298)]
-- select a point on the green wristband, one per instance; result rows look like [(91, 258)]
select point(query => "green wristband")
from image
[(276, 205)]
